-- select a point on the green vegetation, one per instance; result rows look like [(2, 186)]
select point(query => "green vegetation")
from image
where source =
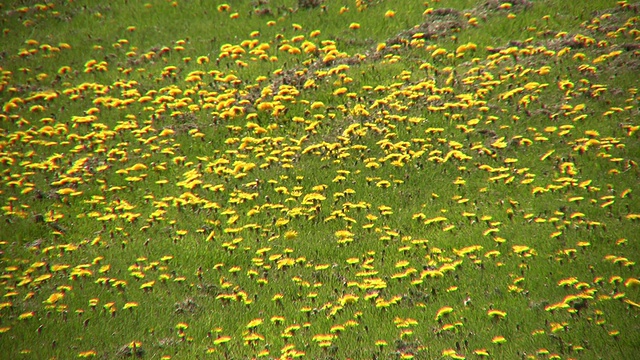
[(320, 179)]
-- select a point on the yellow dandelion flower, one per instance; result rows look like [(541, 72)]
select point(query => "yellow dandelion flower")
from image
[(497, 314), (26, 315), (130, 305), (498, 340), (632, 282), (481, 352), (254, 323), (54, 298), (443, 311), (86, 354)]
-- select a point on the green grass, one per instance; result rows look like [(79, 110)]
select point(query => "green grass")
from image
[(262, 179)]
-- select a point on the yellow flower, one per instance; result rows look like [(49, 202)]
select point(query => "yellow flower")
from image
[(147, 285), (340, 91), (632, 282), (443, 311), (26, 315), (222, 340), (254, 323), (481, 352), (497, 314), (54, 298), (130, 305), (498, 340), (85, 354), (381, 343)]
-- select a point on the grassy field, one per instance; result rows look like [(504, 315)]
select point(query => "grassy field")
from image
[(335, 179)]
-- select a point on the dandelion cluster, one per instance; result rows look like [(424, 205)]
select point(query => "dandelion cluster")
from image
[(278, 187)]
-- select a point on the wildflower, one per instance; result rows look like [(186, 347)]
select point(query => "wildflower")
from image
[(496, 314), (498, 340), (481, 352), (443, 311), (632, 282), (54, 298), (254, 323), (26, 315), (86, 354), (130, 305)]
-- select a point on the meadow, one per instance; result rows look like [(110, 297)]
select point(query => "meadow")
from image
[(337, 179)]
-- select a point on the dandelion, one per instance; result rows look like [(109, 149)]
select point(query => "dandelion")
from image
[(481, 352), (438, 52), (381, 344), (54, 298), (254, 323), (348, 299), (497, 314), (443, 312), (130, 305), (632, 283), (26, 315), (340, 91), (86, 354), (498, 340), (354, 26), (452, 354)]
